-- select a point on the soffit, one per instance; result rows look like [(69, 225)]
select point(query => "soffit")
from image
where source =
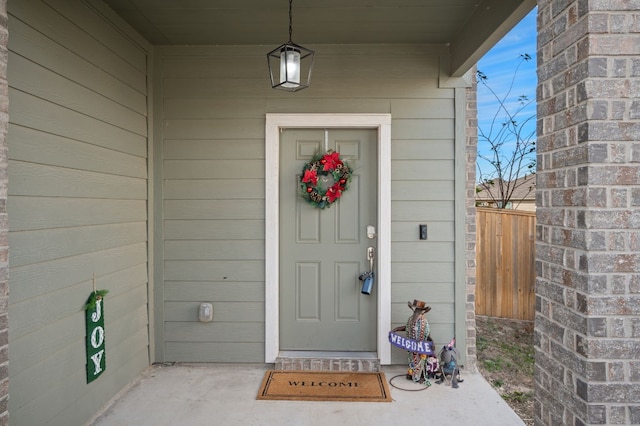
[(266, 22)]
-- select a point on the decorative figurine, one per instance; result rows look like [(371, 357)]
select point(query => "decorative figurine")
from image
[(449, 368), (422, 365)]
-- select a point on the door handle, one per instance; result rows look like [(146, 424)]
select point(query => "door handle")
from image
[(371, 255), (367, 277)]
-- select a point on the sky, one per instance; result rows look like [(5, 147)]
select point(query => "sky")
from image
[(499, 66)]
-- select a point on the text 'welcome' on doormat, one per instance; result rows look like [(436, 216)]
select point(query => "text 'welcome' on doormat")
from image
[(324, 386)]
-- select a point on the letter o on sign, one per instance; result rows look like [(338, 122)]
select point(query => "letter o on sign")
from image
[(97, 337)]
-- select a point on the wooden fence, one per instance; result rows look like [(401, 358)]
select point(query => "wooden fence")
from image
[(505, 270)]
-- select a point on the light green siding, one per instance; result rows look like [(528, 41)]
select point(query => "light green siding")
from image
[(77, 207), (211, 104)]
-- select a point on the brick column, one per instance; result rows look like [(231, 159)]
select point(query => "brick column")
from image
[(471, 146), (4, 227), (587, 331)]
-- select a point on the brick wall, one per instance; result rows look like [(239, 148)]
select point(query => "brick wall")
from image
[(587, 331), (4, 227), (470, 223)]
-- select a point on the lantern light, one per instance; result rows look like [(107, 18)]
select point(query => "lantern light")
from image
[(293, 63)]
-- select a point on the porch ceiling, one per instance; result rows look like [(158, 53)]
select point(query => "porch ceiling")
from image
[(469, 27)]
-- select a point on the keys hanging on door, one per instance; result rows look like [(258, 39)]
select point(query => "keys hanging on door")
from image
[(367, 278)]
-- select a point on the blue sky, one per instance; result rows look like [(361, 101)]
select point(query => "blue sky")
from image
[(499, 65)]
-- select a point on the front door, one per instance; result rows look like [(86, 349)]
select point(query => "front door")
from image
[(323, 251)]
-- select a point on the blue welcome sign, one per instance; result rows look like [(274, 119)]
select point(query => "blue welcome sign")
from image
[(411, 345)]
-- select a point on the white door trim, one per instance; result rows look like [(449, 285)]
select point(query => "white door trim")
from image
[(275, 122)]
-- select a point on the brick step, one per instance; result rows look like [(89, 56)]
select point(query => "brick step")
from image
[(328, 362)]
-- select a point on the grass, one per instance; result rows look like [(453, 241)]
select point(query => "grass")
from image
[(482, 343), (506, 360), (494, 365), (510, 353), (517, 396)]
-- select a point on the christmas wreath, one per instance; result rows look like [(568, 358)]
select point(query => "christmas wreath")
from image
[(324, 179)]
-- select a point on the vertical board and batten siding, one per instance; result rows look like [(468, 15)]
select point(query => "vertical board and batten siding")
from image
[(212, 102), (505, 259), (77, 207)]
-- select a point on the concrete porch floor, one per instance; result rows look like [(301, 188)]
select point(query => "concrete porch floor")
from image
[(225, 394)]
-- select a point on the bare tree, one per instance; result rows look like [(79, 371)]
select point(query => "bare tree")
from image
[(506, 169)]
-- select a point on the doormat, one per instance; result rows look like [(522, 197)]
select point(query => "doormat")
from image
[(324, 386)]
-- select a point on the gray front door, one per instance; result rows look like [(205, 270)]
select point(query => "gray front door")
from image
[(323, 251)]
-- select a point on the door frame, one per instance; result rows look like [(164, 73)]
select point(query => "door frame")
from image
[(276, 122)]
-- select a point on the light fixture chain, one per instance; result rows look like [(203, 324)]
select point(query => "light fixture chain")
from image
[(290, 20)]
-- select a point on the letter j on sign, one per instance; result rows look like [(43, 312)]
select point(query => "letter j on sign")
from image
[(95, 337)]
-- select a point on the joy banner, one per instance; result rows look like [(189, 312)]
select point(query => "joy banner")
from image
[(95, 337)]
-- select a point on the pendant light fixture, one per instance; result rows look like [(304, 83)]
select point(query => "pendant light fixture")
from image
[(291, 63)]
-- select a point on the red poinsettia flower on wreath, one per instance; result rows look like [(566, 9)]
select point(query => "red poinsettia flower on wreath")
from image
[(310, 176), (331, 160), (334, 192)]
